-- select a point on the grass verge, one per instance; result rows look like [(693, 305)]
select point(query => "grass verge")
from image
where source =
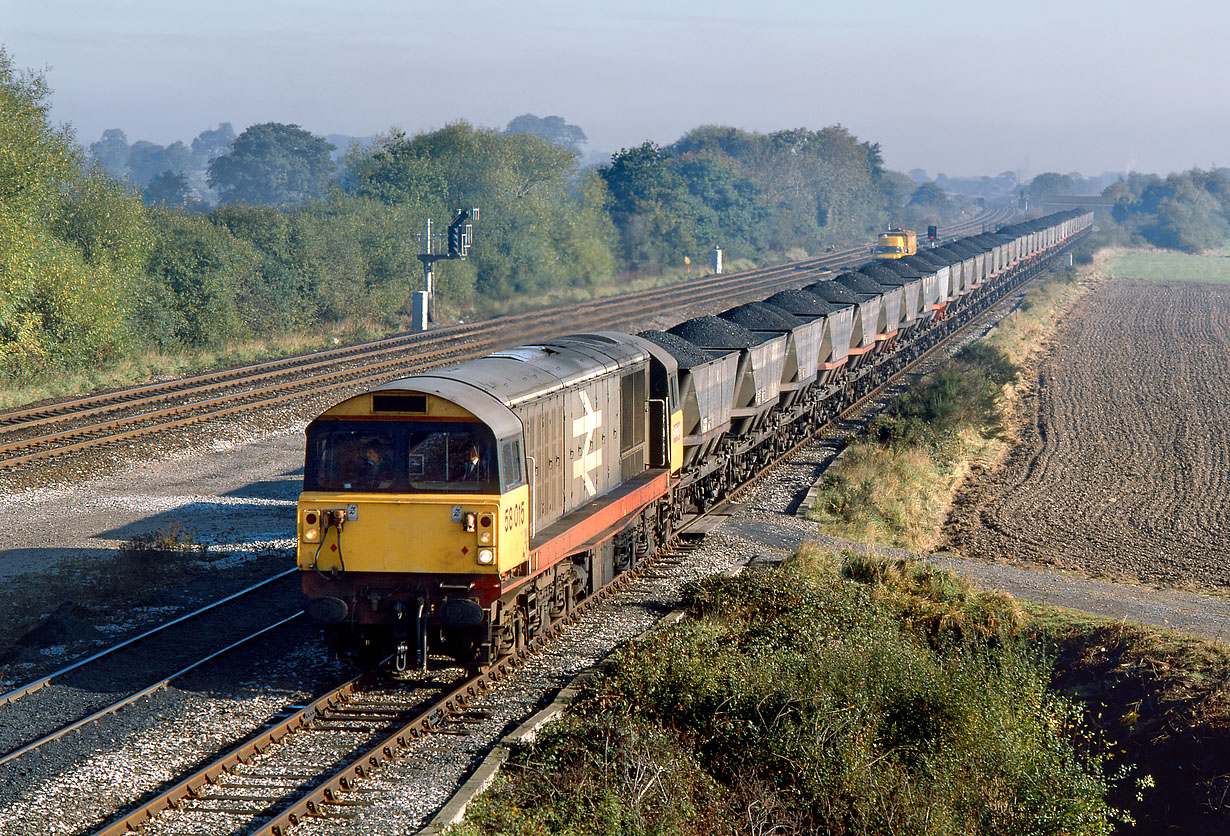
[(1167, 266), (842, 693), (156, 365), (151, 366), (893, 485)]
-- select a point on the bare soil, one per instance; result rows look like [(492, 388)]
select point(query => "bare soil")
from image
[(1122, 469)]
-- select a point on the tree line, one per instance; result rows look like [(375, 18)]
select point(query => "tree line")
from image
[(103, 258), (1187, 211)]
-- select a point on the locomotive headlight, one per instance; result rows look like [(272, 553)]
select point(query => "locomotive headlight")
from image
[(484, 537), (486, 556), (311, 526)]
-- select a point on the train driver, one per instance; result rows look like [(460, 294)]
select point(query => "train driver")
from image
[(474, 470), (371, 468)]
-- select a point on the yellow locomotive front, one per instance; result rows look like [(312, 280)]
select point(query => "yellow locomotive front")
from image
[(414, 507)]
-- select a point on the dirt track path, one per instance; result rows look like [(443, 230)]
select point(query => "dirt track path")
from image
[(1123, 465)]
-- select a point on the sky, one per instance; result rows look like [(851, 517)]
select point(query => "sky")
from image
[(948, 86)]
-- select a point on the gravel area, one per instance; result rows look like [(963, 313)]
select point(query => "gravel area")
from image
[(88, 776), (233, 490)]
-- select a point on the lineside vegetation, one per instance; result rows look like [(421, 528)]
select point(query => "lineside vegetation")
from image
[(100, 288), (893, 485), (837, 693)]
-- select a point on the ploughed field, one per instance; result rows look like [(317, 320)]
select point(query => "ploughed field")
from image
[(1123, 463)]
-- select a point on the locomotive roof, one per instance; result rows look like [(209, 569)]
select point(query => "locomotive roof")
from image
[(523, 373), (493, 413)]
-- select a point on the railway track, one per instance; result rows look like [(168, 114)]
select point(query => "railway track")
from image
[(259, 788), (262, 787), (38, 433), (41, 713)]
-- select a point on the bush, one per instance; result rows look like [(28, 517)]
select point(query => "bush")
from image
[(798, 700), (963, 394)]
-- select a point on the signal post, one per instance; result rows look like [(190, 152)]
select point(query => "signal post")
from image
[(460, 234)]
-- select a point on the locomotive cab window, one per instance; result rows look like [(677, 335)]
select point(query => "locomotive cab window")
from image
[(453, 456), (401, 457), (354, 458)]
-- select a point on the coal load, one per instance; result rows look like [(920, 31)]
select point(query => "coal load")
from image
[(959, 250), (904, 269), (938, 256), (989, 239), (686, 354), (715, 332), (882, 275), (800, 303), (860, 283), (833, 293), (759, 316), (921, 264)]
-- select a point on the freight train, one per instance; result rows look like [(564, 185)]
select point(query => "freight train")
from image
[(463, 510)]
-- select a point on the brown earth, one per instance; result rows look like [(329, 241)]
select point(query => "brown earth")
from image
[(1122, 469)]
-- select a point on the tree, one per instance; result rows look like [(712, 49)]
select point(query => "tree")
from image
[(168, 189), (543, 224), (553, 129), (211, 144), (71, 242), (148, 160), (196, 271), (275, 164), (651, 205), (898, 188), (733, 143), (929, 197), (1050, 183), (111, 152)]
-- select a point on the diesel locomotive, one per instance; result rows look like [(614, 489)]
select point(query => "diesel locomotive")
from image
[(464, 510)]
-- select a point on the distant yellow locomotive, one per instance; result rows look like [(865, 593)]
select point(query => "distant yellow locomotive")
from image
[(896, 243), (464, 510), (444, 510)]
